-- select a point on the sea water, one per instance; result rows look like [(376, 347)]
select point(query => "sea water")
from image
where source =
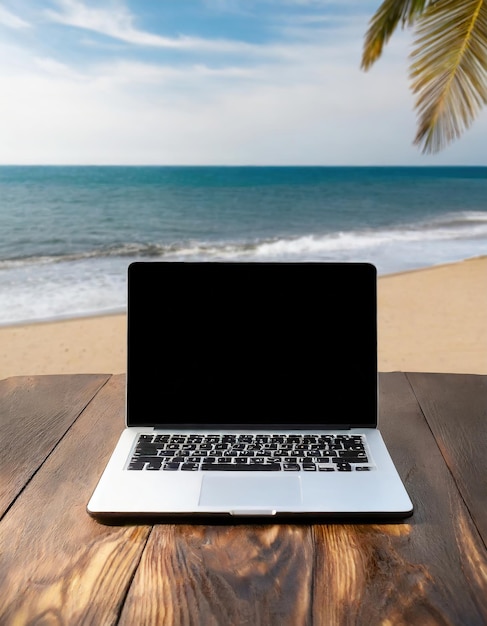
[(67, 234)]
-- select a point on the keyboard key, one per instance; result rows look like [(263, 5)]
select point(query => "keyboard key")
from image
[(136, 465), (352, 454), (143, 459), (190, 466), (291, 467), (155, 464), (171, 466), (241, 468)]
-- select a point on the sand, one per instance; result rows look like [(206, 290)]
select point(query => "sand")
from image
[(429, 320), (435, 319)]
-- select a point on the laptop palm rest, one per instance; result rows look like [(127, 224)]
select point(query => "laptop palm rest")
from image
[(233, 492)]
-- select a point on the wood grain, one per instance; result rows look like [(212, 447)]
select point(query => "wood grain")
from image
[(58, 566), (53, 401), (398, 574), (455, 406), (443, 542), (223, 575)]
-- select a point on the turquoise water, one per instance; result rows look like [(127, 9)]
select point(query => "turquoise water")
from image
[(68, 233)]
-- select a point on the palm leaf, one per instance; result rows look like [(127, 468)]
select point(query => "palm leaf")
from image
[(449, 70), (385, 21)]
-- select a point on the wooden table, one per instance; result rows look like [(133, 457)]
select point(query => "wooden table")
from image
[(59, 566)]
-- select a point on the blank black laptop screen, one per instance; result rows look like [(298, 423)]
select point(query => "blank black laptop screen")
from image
[(251, 344)]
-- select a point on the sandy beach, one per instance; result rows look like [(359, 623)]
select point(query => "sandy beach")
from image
[(431, 320)]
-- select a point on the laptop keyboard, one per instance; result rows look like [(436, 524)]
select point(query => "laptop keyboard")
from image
[(255, 452)]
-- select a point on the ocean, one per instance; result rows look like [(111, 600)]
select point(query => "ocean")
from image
[(69, 233)]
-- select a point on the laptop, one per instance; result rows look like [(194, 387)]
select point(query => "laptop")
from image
[(251, 392)]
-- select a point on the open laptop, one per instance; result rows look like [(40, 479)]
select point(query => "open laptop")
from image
[(252, 391)]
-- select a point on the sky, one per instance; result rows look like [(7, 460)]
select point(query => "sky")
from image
[(209, 82)]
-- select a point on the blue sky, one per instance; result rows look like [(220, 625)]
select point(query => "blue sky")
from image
[(226, 82)]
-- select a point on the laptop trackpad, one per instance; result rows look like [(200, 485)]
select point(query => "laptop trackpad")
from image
[(253, 491)]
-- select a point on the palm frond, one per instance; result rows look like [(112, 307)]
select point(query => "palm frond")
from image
[(384, 22), (449, 70)]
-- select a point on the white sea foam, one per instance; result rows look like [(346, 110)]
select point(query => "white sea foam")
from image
[(94, 282)]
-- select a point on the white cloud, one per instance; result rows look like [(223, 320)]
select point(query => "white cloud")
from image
[(118, 23), (56, 69), (302, 103), (141, 113), (12, 21)]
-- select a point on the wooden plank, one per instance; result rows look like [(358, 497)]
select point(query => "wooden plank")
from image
[(57, 565), (26, 403), (455, 406), (432, 568), (202, 575), (429, 570)]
